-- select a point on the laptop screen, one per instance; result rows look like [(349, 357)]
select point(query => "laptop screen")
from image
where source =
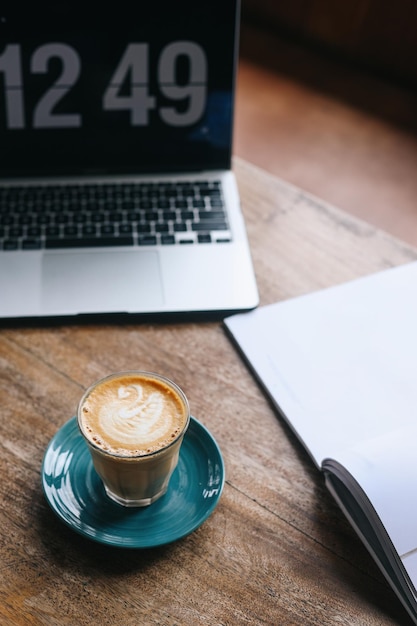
[(127, 88)]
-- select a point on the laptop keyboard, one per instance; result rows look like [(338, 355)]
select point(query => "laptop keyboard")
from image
[(118, 214)]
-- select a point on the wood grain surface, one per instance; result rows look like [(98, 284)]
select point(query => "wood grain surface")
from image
[(276, 550)]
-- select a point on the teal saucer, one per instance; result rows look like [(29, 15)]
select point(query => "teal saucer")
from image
[(76, 494)]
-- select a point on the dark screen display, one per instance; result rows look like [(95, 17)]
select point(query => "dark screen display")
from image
[(134, 87)]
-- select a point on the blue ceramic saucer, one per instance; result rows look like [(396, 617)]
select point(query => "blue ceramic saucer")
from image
[(75, 492)]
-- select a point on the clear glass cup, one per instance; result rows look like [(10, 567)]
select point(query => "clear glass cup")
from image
[(134, 424)]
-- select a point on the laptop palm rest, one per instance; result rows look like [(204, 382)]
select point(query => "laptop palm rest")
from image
[(90, 282)]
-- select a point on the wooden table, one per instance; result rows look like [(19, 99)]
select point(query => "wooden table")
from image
[(276, 550)]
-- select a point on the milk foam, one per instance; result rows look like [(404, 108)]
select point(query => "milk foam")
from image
[(132, 415)]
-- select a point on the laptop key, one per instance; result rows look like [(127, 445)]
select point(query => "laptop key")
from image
[(15, 231), (89, 230), (125, 229), (151, 216), (42, 218), (10, 244), (31, 244), (147, 240), (215, 216), (204, 238), (70, 231), (52, 231), (169, 215), (88, 242), (107, 229), (209, 226), (34, 231), (143, 228), (79, 218), (161, 228), (167, 239)]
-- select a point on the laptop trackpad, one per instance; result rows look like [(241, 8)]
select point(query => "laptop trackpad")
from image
[(101, 282)]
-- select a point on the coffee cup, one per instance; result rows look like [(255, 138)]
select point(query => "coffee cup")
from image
[(134, 423)]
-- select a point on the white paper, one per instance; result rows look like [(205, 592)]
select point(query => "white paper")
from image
[(341, 364)]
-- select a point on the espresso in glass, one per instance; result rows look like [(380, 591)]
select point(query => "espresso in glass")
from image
[(134, 424)]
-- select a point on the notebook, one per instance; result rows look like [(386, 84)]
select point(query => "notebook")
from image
[(116, 189)]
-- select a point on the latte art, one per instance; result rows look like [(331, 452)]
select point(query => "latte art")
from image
[(133, 418), (133, 415), (140, 407)]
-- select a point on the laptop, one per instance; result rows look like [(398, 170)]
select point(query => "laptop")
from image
[(116, 190)]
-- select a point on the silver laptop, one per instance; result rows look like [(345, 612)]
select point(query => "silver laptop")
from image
[(116, 193)]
